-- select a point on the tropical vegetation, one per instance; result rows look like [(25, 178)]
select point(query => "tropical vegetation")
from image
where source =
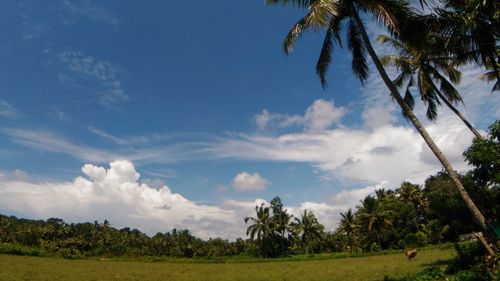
[(461, 31)]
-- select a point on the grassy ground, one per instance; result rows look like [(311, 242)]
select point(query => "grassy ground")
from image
[(359, 268)]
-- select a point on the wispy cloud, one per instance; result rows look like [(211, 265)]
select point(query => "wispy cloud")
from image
[(7, 110), (163, 153), (321, 115), (101, 71), (48, 141), (88, 10), (108, 136)]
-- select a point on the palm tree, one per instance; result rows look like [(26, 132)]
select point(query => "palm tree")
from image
[(281, 220), (380, 193), (349, 226), (308, 229), (261, 226), (423, 66), (330, 14), (472, 28), (282, 224), (372, 216), (411, 193)]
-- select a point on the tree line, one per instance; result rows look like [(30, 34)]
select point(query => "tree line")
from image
[(407, 216)]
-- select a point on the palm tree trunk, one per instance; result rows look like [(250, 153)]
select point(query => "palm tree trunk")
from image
[(478, 217), (282, 242), (455, 110), (378, 240)]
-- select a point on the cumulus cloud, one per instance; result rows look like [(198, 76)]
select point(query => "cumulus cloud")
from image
[(249, 182), (115, 194), (118, 195), (321, 115)]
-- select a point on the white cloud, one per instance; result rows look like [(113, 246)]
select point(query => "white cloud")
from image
[(118, 195), (321, 115), (387, 153), (49, 141), (249, 182)]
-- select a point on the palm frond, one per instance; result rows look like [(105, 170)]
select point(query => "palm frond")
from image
[(390, 13), (402, 77), (297, 3), (492, 76), (324, 60), (358, 51), (449, 91), (427, 94), (408, 98), (384, 39), (296, 31), (319, 16)]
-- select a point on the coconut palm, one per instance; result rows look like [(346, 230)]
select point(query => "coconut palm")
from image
[(411, 193), (472, 27), (308, 229), (261, 226), (393, 14), (281, 220), (282, 225), (423, 67), (349, 227), (373, 217)]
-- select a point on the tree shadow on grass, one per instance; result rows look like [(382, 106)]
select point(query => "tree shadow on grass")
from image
[(439, 262)]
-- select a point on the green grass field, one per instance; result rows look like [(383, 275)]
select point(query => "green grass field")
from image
[(358, 268)]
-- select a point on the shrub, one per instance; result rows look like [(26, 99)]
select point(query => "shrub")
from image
[(20, 250)]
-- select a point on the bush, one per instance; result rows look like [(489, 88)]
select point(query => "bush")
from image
[(20, 250), (468, 255), (479, 272)]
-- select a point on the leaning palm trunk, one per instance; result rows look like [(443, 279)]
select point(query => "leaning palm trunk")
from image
[(478, 217), (455, 110)]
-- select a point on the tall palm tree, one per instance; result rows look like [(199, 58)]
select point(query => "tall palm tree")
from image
[(411, 193), (423, 66), (282, 225), (308, 229), (261, 226), (330, 14), (349, 226), (372, 216), (281, 220)]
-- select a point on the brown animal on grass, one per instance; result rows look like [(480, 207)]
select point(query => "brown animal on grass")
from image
[(411, 254)]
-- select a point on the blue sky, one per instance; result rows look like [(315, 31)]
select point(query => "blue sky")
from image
[(198, 97)]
